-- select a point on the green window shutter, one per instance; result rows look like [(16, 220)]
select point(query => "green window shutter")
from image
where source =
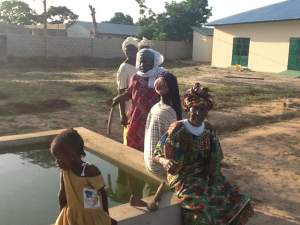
[(294, 54), (240, 51)]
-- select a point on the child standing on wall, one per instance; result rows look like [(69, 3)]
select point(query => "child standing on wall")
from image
[(82, 197)]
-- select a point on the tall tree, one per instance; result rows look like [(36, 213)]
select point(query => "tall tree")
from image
[(61, 14), (151, 27), (142, 5), (182, 16), (16, 12), (176, 23), (121, 18)]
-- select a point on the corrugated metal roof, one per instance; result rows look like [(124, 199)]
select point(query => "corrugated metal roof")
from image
[(110, 28), (282, 11), (206, 31)]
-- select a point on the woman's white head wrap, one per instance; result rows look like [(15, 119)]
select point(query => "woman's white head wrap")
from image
[(155, 71), (130, 41), (145, 42), (158, 58)]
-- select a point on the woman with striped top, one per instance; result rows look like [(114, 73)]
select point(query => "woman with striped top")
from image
[(161, 116)]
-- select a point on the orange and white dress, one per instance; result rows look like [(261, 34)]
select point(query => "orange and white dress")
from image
[(84, 205)]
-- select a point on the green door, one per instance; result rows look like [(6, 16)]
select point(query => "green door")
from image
[(294, 55), (240, 51)]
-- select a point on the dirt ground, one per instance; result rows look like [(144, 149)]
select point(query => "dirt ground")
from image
[(264, 161), (258, 120)]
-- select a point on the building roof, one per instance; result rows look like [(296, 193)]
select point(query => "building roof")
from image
[(206, 31), (282, 11), (110, 28), (49, 26)]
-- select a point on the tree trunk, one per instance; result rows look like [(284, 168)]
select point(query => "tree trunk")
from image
[(93, 14)]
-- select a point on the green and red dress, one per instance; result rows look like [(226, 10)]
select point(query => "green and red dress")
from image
[(207, 197)]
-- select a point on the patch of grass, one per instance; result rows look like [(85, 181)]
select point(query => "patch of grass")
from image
[(228, 96), (179, 64), (87, 91), (290, 73), (3, 96), (94, 95), (34, 107), (100, 89), (78, 94), (235, 96)]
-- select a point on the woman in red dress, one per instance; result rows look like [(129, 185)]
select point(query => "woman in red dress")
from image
[(142, 93)]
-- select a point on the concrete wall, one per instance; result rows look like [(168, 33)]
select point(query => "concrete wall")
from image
[(108, 48), (13, 29), (173, 49), (27, 46), (3, 48), (68, 47), (50, 32), (202, 47), (269, 44)]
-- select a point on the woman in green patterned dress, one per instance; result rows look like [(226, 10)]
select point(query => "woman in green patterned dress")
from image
[(192, 155)]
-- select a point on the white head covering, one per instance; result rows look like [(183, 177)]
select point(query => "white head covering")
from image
[(130, 41), (145, 42), (155, 71)]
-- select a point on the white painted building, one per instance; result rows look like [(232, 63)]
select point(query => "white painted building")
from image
[(202, 44), (266, 39)]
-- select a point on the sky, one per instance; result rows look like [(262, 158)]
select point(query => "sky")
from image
[(105, 9)]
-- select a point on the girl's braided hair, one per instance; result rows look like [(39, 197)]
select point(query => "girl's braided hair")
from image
[(71, 138)]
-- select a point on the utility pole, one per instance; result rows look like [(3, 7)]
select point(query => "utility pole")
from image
[(45, 27)]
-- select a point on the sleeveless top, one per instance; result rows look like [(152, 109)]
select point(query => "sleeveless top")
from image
[(84, 205)]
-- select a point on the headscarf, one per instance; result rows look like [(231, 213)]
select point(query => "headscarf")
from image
[(197, 96), (155, 71), (167, 85), (145, 43), (130, 41)]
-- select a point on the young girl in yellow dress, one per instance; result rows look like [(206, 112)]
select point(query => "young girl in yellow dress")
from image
[(82, 197)]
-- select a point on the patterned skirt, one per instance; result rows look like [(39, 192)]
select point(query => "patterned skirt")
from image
[(212, 203)]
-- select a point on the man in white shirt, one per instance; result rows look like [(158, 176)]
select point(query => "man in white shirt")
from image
[(126, 70)]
